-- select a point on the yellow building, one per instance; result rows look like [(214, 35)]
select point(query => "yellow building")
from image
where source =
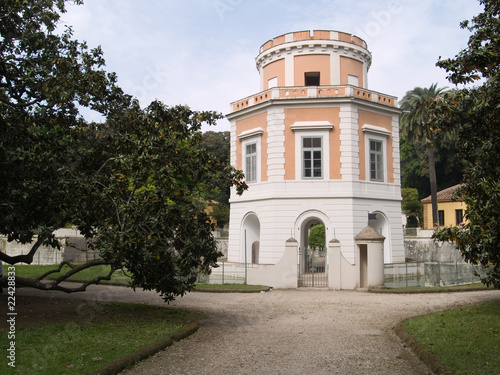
[(451, 210)]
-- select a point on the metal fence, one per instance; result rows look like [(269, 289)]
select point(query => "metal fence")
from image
[(227, 273), (399, 275)]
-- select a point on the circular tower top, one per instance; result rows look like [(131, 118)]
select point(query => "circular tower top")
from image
[(317, 58)]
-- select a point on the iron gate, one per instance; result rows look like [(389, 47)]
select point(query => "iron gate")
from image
[(312, 268)]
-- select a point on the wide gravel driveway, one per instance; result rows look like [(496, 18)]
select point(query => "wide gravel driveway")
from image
[(291, 331)]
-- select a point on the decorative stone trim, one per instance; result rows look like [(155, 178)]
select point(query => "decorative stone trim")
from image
[(251, 133), (317, 47), (311, 125), (376, 130)]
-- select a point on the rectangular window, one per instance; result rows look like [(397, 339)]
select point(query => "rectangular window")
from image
[(251, 162), (376, 160), (352, 80), (441, 218), (312, 157), (273, 82), (459, 216), (311, 79)]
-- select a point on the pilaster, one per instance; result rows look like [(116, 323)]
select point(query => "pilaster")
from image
[(349, 143), (276, 144)]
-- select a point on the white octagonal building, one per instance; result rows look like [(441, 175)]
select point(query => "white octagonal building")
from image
[(316, 146)]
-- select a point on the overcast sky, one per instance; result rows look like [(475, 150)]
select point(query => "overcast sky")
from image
[(202, 52)]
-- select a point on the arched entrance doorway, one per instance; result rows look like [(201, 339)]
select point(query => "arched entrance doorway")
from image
[(250, 239), (312, 255)]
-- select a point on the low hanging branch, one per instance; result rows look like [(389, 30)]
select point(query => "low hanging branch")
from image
[(55, 284), (26, 258)]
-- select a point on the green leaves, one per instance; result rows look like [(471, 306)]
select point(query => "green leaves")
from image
[(147, 201), (317, 236), (474, 115), (135, 186), (480, 58)]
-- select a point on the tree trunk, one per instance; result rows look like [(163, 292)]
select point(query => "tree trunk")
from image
[(433, 181)]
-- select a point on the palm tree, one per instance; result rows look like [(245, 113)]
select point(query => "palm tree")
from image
[(417, 129)]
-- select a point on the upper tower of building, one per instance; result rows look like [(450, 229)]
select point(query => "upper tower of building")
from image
[(317, 58), (314, 64)]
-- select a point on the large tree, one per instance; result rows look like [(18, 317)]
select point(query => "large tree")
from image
[(417, 129), (475, 115), (44, 79), (132, 185)]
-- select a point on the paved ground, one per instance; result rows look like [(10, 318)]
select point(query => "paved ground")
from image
[(290, 331)]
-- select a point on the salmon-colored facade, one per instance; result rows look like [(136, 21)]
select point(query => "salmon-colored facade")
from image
[(316, 145), (312, 63), (275, 70), (294, 115)]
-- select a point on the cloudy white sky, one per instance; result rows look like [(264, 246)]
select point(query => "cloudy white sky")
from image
[(202, 52)]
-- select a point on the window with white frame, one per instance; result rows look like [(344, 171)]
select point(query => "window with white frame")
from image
[(251, 162), (250, 150), (312, 157), (376, 151), (376, 160), (312, 150)]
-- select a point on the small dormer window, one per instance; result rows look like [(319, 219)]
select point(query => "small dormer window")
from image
[(352, 80), (311, 79), (273, 82)]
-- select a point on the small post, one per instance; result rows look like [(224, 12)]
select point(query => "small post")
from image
[(406, 264), (439, 274), (223, 273), (245, 256)]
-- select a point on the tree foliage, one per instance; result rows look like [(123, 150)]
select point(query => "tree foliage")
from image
[(411, 204), (475, 114), (44, 78), (134, 185), (218, 144), (317, 236), (415, 166)]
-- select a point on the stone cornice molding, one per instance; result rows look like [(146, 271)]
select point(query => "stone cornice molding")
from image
[(311, 125), (251, 133), (367, 128), (317, 46)]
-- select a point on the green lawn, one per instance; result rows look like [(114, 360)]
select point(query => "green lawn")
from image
[(81, 346), (230, 287), (119, 277), (465, 339)]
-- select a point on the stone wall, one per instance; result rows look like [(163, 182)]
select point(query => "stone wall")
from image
[(73, 249), (418, 249), (44, 255)]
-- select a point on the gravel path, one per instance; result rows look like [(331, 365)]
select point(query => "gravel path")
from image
[(291, 331)]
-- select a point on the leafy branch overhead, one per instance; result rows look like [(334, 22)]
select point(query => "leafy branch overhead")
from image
[(135, 185)]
